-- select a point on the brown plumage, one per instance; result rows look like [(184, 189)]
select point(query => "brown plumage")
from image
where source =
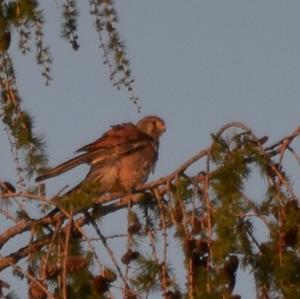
[(120, 159)]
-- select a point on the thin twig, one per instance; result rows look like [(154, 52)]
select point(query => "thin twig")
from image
[(66, 254), (165, 244), (106, 246)]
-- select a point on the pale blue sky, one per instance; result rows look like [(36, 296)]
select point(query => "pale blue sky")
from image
[(197, 64)]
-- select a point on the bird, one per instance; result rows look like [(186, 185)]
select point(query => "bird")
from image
[(120, 160)]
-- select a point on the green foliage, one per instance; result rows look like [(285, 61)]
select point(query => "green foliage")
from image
[(69, 26), (19, 124), (146, 278), (81, 286), (79, 199), (218, 148), (106, 19), (180, 189), (27, 146), (18, 10)]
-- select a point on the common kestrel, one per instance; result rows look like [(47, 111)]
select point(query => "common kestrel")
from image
[(120, 159)]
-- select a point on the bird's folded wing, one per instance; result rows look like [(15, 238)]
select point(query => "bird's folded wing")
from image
[(113, 153), (117, 135), (96, 156)]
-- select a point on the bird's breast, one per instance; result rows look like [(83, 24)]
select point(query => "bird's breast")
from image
[(127, 171), (136, 167)]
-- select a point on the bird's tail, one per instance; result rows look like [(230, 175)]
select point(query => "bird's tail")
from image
[(61, 168)]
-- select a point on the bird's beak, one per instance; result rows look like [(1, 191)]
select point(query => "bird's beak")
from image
[(163, 128)]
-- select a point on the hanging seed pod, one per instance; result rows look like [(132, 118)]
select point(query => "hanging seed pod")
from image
[(129, 256)]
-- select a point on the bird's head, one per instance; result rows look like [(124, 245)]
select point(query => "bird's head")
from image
[(152, 126)]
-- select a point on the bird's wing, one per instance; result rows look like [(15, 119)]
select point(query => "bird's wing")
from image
[(114, 153), (97, 156), (118, 135), (118, 141)]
